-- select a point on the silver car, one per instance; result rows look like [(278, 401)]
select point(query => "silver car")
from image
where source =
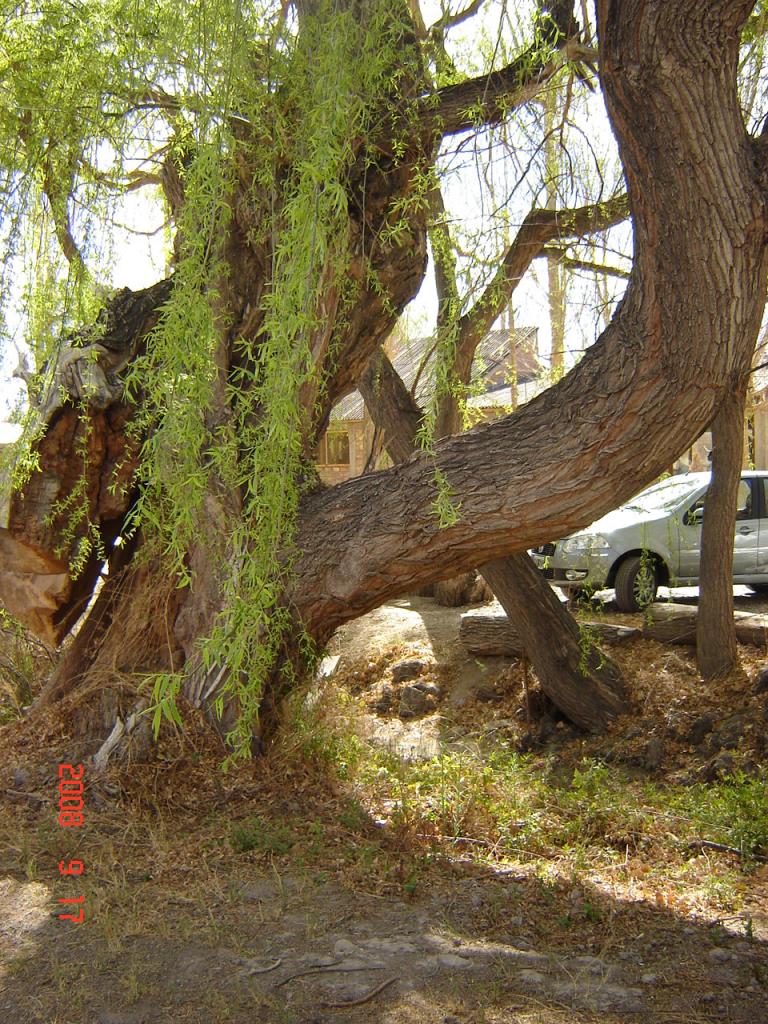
[(655, 540)]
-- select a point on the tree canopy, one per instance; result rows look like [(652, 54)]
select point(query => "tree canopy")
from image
[(298, 151)]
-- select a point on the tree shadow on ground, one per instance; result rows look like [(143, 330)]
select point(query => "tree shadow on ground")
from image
[(272, 939)]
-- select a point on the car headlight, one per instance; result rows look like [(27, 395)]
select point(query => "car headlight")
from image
[(584, 542)]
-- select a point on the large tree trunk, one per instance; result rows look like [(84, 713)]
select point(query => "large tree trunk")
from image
[(653, 381), (716, 651), (650, 384)]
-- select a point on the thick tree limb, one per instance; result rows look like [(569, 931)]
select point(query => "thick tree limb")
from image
[(677, 624), (585, 684), (641, 394)]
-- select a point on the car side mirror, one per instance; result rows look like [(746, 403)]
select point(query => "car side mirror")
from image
[(694, 516)]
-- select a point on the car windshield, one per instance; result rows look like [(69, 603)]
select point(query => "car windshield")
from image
[(664, 495)]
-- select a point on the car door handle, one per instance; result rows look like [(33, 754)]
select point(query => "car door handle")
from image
[(744, 530)]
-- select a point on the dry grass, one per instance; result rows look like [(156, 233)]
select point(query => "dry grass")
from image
[(598, 854)]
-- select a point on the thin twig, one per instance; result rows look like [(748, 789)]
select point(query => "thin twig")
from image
[(363, 999), (266, 970), (29, 796), (708, 844), (332, 968)]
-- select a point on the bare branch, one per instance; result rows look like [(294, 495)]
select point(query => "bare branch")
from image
[(538, 228), (488, 98), (593, 268), (449, 21)]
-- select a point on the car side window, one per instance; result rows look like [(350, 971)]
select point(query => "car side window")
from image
[(745, 503)]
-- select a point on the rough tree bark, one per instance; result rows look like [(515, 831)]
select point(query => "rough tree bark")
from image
[(716, 650), (697, 187), (577, 677), (654, 378), (573, 672), (587, 688)]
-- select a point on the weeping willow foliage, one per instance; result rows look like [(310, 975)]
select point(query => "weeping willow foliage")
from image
[(93, 99), (337, 75)]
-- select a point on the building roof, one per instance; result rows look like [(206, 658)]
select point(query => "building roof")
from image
[(490, 368)]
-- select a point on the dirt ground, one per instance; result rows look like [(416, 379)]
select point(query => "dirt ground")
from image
[(268, 894)]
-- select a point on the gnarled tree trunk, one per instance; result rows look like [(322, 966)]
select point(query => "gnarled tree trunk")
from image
[(652, 382)]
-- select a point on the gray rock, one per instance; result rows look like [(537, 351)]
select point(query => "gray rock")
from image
[(405, 670), (587, 965), (344, 948), (723, 976), (530, 978), (453, 961), (609, 999), (396, 946), (385, 700), (431, 689), (702, 727), (719, 955), (414, 702)]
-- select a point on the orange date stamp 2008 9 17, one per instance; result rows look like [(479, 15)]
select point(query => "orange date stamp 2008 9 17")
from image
[(71, 816)]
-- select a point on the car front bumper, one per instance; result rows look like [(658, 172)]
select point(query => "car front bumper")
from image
[(574, 571)]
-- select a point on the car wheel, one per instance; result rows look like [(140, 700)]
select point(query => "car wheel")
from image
[(636, 583)]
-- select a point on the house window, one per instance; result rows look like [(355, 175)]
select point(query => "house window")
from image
[(334, 449)]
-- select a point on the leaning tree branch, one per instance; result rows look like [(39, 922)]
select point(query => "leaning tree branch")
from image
[(575, 264), (590, 692), (538, 228), (488, 99), (684, 329)]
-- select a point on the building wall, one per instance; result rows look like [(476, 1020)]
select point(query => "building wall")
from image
[(760, 437), (359, 447)]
